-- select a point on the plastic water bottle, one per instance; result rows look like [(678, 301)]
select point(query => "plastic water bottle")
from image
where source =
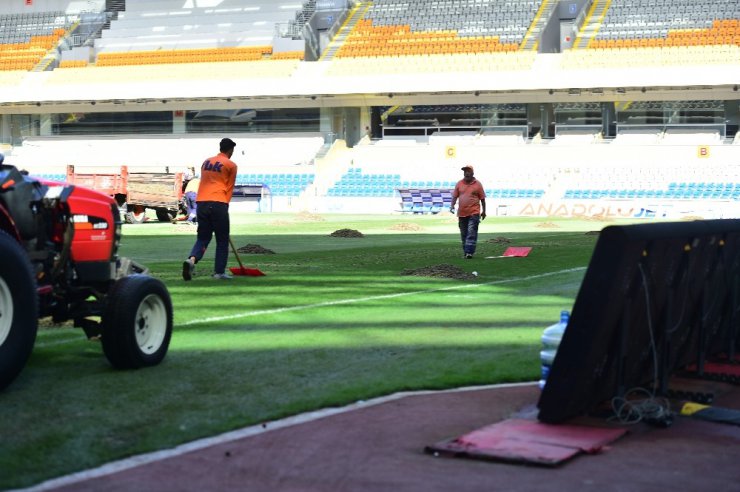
[(551, 337)]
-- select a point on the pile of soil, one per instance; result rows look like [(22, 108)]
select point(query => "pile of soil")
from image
[(346, 233), (499, 240), (255, 249), (593, 233), (440, 271), (406, 226), (309, 217), (548, 225)]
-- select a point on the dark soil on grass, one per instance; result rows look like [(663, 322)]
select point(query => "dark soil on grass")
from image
[(255, 249), (440, 271), (346, 233)]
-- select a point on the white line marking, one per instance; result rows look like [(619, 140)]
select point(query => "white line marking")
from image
[(44, 344), (145, 459), (371, 298)]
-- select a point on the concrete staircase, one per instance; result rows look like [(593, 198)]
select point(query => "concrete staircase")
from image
[(354, 17), (592, 24), (532, 37)]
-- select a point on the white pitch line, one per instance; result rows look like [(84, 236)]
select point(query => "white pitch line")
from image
[(355, 300), (145, 459)]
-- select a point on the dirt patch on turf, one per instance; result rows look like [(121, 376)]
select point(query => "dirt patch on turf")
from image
[(47, 322), (406, 226), (440, 271), (309, 217), (346, 233), (547, 225), (598, 217), (281, 223), (593, 233), (255, 249), (499, 240)]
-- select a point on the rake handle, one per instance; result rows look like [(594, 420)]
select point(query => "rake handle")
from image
[(235, 253)]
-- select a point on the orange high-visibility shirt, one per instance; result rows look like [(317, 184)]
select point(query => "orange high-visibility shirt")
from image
[(217, 178), (469, 197)]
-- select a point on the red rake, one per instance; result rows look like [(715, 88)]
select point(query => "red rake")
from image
[(241, 271)]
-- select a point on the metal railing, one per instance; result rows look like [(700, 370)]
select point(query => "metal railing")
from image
[(408, 130), (720, 128)]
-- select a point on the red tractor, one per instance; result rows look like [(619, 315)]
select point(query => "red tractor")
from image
[(58, 259)]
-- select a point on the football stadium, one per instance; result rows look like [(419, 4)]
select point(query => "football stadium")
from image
[(367, 349)]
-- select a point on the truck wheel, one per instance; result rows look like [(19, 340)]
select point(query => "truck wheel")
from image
[(164, 215), (137, 322), (136, 215), (18, 309)]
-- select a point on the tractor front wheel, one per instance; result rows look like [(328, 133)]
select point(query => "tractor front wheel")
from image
[(137, 322), (18, 309)]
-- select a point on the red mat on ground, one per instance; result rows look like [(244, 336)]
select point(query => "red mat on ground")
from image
[(729, 368), (528, 441), (514, 251)]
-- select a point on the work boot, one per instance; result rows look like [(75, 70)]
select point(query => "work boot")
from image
[(222, 276), (188, 269)]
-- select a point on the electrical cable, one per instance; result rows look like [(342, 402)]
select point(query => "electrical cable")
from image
[(648, 303), (631, 410), (687, 284), (707, 311)]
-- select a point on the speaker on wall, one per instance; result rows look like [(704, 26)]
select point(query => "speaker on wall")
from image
[(655, 298)]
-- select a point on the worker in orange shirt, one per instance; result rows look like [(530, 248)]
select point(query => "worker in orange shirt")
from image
[(471, 209), (217, 179)]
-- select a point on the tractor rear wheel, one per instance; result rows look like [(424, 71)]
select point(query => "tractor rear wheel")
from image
[(137, 322), (18, 309), (165, 215)]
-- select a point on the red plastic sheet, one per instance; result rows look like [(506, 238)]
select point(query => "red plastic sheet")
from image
[(528, 441)]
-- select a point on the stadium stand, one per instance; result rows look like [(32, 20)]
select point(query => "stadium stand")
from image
[(150, 72), (668, 32), (25, 39), (255, 153), (148, 25), (646, 23), (479, 37), (641, 112)]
